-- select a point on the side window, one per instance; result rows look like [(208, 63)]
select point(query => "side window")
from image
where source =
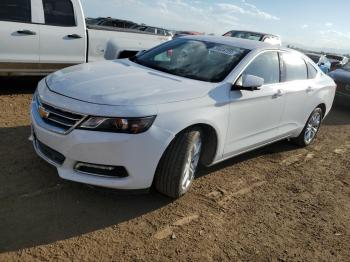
[(107, 23), (312, 71), (59, 12), (150, 30), (266, 66), (160, 32), (294, 67), (15, 11)]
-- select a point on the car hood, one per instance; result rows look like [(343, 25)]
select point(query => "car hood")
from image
[(122, 82)]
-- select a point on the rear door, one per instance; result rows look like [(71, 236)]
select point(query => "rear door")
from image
[(63, 35), (19, 37), (297, 88)]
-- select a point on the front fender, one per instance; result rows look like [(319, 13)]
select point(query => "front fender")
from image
[(178, 116)]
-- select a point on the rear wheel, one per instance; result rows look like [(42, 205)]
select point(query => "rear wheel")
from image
[(178, 166), (309, 133)]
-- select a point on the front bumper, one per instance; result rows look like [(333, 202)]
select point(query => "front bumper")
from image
[(138, 154)]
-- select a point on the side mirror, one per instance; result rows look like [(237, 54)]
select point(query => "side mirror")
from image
[(248, 82)]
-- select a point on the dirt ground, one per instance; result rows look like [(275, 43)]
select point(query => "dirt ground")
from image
[(279, 203)]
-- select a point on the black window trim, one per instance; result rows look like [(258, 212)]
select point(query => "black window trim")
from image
[(22, 22)]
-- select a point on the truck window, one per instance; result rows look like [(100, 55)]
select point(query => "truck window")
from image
[(150, 30), (15, 11), (59, 13)]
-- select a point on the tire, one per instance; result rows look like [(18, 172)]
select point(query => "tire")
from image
[(178, 165), (311, 128)]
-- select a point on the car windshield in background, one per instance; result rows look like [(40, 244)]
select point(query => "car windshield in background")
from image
[(247, 35), (200, 60), (334, 57)]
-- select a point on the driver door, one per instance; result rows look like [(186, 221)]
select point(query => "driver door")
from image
[(255, 116)]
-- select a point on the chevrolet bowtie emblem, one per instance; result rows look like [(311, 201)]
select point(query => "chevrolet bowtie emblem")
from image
[(43, 113)]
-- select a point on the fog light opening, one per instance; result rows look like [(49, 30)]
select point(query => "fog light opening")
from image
[(101, 170)]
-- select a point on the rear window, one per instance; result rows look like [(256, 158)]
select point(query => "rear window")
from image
[(246, 35), (59, 12), (15, 11), (294, 67)]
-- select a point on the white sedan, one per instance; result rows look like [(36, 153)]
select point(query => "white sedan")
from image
[(152, 119)]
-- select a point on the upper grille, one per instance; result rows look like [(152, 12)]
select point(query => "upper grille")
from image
[(59, 118)]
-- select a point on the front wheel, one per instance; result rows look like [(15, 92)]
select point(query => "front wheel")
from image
[(178, 165), (311, 128)]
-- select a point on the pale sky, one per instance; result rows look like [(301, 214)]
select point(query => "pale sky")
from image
[(318, 24)]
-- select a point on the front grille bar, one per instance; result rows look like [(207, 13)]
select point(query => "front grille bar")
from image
[(62, 121)]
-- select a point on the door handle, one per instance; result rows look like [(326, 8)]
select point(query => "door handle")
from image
[(279, 93), (75, 36), (26, 32), (309, 89)]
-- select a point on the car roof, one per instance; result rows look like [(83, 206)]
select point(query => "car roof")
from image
[(236, 42)]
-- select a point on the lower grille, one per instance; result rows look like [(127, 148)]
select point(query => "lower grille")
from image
[(49, 153)]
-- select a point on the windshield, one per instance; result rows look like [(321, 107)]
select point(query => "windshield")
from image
[(247, 35), (200, 60)]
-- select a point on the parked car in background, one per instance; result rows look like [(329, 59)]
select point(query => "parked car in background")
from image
[(337, 60), (111, 22), (151, 119), (321, 60), (41, 36), (263, 37), (342, 78), (186, 33), (152, 30)]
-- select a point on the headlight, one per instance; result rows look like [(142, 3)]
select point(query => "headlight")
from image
[(118, 124)]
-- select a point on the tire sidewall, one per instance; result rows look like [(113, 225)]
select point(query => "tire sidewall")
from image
[(190, 147), (319, 110)]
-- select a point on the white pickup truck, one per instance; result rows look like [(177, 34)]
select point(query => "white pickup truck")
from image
[(41, 36)]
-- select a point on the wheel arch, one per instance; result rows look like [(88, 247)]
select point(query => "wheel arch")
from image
[(323, 108), (210, 141)]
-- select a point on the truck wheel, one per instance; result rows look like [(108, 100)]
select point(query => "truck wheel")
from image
[(178, 165), (311, 128)]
